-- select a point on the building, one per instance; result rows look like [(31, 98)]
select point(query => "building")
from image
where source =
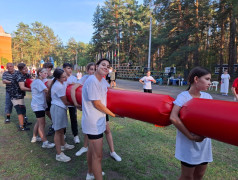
[(5, 47)]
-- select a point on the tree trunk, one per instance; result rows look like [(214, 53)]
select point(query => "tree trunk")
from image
[(222, 40)]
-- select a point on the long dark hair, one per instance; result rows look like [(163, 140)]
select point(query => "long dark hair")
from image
[(197, 71), (57, 74), (89, 65)]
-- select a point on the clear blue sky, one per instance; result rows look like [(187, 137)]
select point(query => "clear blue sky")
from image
[(67, 18)]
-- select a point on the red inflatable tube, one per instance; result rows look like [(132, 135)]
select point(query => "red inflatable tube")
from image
[(29, 81), (152, 108), (212, 118)]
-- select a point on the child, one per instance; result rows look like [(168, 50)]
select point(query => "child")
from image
[(38, 105), (94, 116), (58, 113), (72, 110), (146, 81), (194, 151), (90, 68)]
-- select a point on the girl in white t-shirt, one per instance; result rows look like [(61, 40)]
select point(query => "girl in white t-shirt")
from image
[(194, 151), (38, 105), (146, 81), (90, 69), (94, 101), (58, 111)]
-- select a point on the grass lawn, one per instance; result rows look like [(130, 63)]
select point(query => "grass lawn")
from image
[(147, 153)]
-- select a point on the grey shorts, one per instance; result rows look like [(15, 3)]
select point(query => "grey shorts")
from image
[(59, 117)]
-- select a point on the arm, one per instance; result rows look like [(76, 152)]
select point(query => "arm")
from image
[(233, 90), (141, 82), (99, 106), (65, 101), (153, 80), (4, 81), (72, 92), (174, 118), (23, 87)]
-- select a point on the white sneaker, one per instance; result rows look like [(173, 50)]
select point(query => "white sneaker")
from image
[(35, 139), (66, 147), (81, 151), (62, 157), (47, 145), (91, 176), (76, 140), (115, 156)]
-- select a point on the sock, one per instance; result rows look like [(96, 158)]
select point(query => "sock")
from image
[(8, 116)]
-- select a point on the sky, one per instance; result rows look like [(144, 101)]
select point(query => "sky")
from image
[(67, 18)]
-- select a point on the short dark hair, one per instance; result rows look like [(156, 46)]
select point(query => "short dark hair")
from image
[(103, 59), (67, 65), (20, 66), (48, 65)]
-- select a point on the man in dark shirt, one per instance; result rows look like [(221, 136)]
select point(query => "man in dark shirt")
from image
[(17, 94), (7, 79)]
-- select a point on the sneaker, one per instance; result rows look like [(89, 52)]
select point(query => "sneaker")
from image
[(62, 157), (91, 176), (26, 123), (47, 145), (35, 139), (24, 128), (76, 140), (115, 156), (7, 121), (66, 147), (51, 131), (81, 151)]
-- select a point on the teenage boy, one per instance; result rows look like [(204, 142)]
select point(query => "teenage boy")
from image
[(72, 109), (49, 66), (17, 94), (7, 79)]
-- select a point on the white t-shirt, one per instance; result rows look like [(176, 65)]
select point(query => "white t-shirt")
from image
[(189, 151), (38, 102), (83, 79), (93, 120), (79, 75), (147, 80), (58, 90)]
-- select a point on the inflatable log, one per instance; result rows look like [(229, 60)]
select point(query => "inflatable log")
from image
[(29, 81), (152, 108), (212, 118)]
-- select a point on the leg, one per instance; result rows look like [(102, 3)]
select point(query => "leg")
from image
[(85, 143), (8, 107), (58, 140), (95, 146), (41, 128), (199, 172), (35, 130), (89, 160), (73, 119), (186, 173), (109, 137)]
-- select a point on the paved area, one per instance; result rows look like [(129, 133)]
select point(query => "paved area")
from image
[(173, 91)]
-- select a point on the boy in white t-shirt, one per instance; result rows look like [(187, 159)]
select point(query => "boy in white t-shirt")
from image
[(72, 109), (146, 81)]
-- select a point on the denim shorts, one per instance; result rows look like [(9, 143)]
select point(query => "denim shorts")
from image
[(8, 104)]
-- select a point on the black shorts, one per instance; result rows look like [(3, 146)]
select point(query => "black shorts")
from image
[(148, 90), (90, 136), (107, 117), (39, 114), (193, 165), (49, 105), (20, 109)]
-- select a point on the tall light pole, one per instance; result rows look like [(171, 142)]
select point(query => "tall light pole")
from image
[(150, 37)]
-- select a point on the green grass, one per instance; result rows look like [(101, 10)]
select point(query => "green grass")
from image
[(147, 153)]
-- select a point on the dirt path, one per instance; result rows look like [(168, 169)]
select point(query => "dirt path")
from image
[(169, 90)]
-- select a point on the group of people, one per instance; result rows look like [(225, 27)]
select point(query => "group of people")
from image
[(49, 97), (194, 151)]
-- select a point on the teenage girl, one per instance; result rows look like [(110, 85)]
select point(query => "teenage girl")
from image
[(90, 68), (94, 116), (194, 151), (58, 113), (38, 105)]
